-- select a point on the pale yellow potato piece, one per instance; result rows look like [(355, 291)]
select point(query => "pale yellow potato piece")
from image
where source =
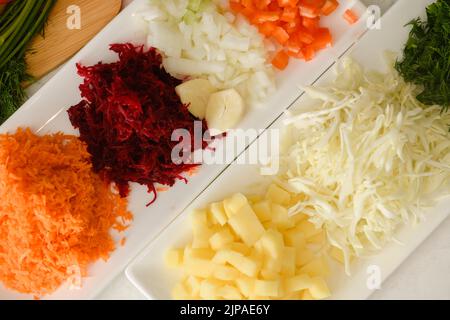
[(225, 273), (272, 243), (303, 256), (192, 284), (240, 247), (200, 253), (217, 211), (254, 198), (319, 288), (174, 258), (208, 290), (263, 210), (337, 254), (317, 239), (306, 295), (298, 283), (278, 195), (288, 260), (221, 239), (294, 238), (229, 292), (267, 288), (308, 229), (316, 267), (280, 217), (245, 285), (246, 225), (200, 229), (244, 264), (233, 204), (199, 268), (180, 292)]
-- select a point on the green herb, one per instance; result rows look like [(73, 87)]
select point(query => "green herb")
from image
[(426, 60), (19, 23)]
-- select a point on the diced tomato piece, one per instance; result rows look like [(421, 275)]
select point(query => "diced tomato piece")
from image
[(236, 7), (329, 7), (280, 35), (288, 3), (281, 60), (305, 37), (350, 16), (262, 4)]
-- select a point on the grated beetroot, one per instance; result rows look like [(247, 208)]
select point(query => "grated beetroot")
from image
[(128, 113)]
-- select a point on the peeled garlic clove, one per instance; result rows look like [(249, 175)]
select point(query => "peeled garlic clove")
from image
[(196, 94), (224, 111)]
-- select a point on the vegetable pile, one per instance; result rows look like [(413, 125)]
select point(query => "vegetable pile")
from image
[(367, 159), (249, 248), (426, 56), (199, 39), (55, 213), (19, 23), (128, 113), (293, 24)]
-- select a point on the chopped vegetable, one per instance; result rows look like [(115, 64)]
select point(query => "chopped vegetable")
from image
[(249, 248), (128, 113), (426, 56), (366, 159), (211, 44), (19, 23), (350, 16), (294, 25), (56, 214)]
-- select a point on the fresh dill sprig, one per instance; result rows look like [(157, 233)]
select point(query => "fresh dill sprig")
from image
[(426, 60)]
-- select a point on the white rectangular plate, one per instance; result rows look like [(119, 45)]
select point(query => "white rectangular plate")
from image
[(45, 112), (148, 273)]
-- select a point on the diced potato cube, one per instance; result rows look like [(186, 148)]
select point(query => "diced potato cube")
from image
[(201, 253), (240, 247), (272, 243), (319, 288), (192, 284), (294, 238), (225, 273), (280, 217), (174, 258), (199, 268), (244, 264), (278, 195), (316, 267), (217, 211), (263, 210), (199, 219), (267, 288), (299, 217), (267, 274), (308, 229), (303, 257), (180, 292), (208, 290), (221, 239), (298, 283), (200, 229), (246, 225), (254, 198), (288, 262), (273, 265), (233, 204), (245, 285), (229, 292)]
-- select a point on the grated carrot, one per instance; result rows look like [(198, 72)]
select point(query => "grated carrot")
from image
[(55, 213)]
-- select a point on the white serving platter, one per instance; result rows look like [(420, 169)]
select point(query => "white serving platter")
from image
[(148, 272), (45, 112)]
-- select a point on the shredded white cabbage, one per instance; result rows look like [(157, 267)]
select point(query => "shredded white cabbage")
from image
[(366, 159), (212, 44)]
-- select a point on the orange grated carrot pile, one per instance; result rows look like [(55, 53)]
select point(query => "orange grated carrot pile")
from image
[(55, 213)]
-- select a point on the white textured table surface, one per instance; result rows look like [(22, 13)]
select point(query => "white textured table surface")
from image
[(424, 275)]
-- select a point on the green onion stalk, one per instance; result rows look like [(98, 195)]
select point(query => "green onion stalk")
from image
[(20, 21)]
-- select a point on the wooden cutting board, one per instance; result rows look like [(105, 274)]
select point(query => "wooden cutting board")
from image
[(62, 39)]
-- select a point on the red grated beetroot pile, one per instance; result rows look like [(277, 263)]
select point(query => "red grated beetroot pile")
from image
[(128, 113)]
